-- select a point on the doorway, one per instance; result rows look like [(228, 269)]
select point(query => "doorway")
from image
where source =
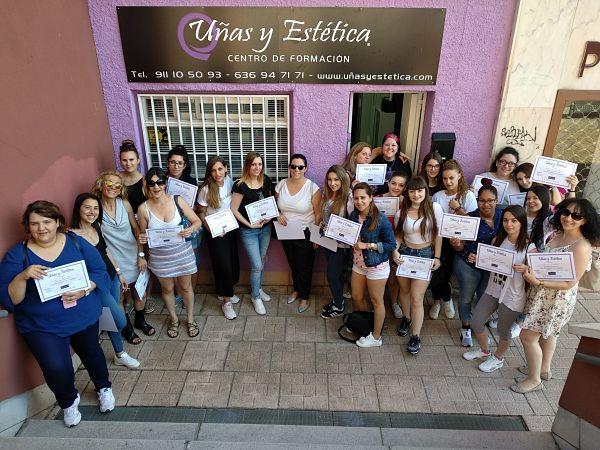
[(375, 114)]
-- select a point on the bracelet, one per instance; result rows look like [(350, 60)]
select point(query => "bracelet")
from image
[(572, 190), (541, 284), (437, 257)]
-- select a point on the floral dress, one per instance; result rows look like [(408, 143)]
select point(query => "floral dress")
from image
[(548, 310)]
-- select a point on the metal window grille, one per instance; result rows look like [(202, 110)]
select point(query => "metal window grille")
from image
[(208, 125)]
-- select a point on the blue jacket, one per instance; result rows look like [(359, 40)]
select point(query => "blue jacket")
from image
[(383, 235)]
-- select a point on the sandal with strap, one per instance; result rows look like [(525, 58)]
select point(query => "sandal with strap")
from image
[(173, 330), (130, 335), (192, 329), (141, 324)]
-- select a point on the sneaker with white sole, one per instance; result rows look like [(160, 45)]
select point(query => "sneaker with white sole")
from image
[(235, 299), (106, 399), (434, 311), (397, 310), (228, 311), (515, 330), (475, 354), (449, 309), (369, 341), (258, 306), (127, 361), (414, 345), (264, 296), (327, 307), (466, 340), (332, 312), (71, 415), (491, 364)]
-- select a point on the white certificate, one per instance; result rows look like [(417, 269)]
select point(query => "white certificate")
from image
[(517, 199), (221, 222), (387, 205), (264, 209), (553, 172), (293, 230), (500, 185), (415, 267), (495, 259), (315, 236), (373, 174), (187, 191), (161, 237), (343, 230), (141, 284), (552, 266), (66, 278), (460, 227)]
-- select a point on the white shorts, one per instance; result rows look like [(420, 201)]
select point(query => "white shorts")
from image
[(379, 272)]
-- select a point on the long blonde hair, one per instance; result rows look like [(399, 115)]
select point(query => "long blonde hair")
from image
[(97, 186), (246, 177), (350, 163), (340, 196), (212, 192)]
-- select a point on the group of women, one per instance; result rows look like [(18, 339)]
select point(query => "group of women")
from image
[(109, 232)]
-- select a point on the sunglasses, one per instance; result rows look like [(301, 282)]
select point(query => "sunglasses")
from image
[(159, 182), (294, 167), (111, 185), (574, 215)]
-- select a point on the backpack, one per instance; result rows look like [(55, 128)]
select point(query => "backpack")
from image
[(358, 322)]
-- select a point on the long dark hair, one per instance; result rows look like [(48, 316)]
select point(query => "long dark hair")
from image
[(76, 217), (501, 153), (423, 172), (180, 150), (591, 228), (537, 228), (373, 211), (521, 215), (425, 209)]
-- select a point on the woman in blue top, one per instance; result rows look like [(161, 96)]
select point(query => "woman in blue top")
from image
[(371, 267), (51, 327)]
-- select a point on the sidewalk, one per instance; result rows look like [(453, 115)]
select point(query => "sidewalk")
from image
[(297, 361)]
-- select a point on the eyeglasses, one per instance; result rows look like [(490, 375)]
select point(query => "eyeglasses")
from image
[(431, 166), (111, 185), (574, 215), (295, 167), (159, 182), (487, 202), (505, 163), (177, 163)]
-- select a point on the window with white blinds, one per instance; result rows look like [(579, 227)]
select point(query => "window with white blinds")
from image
[(228, 126)]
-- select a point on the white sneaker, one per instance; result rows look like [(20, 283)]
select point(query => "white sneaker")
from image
[(465, 337), (127, 361), (515, 330), (258, 306), (369, 341), (449, 309), (228, 311), (71, 415), (474, 354), (106, 399), (264, 296), (434, 311), (491, 364), (493, 323), (397, 310), (235, 299)]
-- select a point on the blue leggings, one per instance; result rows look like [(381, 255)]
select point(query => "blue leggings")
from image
[(53, 355), (112, 301)]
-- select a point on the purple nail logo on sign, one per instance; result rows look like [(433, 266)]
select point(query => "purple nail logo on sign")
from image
[(202, 53)]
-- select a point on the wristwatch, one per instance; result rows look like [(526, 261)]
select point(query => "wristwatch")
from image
[(141, 254)]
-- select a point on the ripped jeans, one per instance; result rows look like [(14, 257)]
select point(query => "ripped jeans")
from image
[(256, 243)]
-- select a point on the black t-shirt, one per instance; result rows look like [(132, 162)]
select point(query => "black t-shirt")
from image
[(135, 194), (252, 195), (434, 189), (101, 247), (396, 165)]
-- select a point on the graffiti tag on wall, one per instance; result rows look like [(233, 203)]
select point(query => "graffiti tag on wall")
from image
[(518, 135)]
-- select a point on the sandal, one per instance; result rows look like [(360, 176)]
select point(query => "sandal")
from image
[(192, 329), (173, 330), (141, 324), (129, 335)]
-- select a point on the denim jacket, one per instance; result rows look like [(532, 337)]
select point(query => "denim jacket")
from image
[(383, 235)]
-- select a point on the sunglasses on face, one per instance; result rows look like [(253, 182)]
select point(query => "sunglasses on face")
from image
[(111, 185), (574, 215), (159, 182), (295, 167)]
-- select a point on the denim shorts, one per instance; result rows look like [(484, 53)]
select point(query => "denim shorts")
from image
[(426, 252)]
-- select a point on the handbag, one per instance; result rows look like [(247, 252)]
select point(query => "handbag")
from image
[(591, 278), (185, 223), (358, 322)]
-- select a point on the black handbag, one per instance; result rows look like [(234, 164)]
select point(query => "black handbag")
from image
[(358, 322)]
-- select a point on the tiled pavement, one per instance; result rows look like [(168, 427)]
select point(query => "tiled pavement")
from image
[(296, 361)]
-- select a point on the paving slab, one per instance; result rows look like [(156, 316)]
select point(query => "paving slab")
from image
[(43, 443), (197, 445)]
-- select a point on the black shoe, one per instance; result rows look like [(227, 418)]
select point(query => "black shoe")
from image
[(332, 312), (414, 345), (327, 307), (141, 324), (404, 327)]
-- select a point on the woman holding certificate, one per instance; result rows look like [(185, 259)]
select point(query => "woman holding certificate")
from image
[(120, 230), (298, 199), (254, 185), (537, 205), (522, 176), (215, 197), (504, 293), (172, 258), (54, 313), (502, 169), (550, 303), (392, 156), (371, 267), (360, 153), (416, 232)]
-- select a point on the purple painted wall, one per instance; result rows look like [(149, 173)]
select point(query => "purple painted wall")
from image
[(466, 98)]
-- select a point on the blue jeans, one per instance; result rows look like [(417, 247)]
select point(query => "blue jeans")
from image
[(112, 301), (426, 252), (336, 274), (471, 282), (256, 243)]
